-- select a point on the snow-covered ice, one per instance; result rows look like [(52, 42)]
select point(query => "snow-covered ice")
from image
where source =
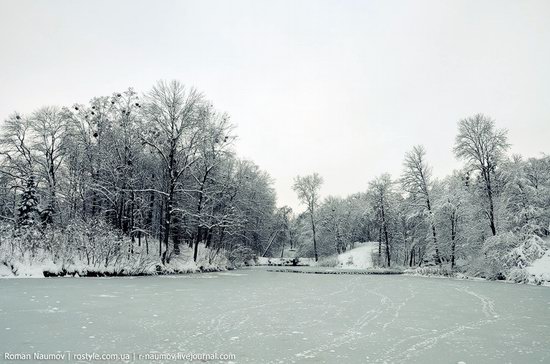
[(302, 318)]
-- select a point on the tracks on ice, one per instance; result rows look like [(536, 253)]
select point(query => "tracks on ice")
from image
[(355, 331), (428, 342), (487, 304)]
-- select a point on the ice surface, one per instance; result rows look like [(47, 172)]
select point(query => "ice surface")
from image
[(265, 317)]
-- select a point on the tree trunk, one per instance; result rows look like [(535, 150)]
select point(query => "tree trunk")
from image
[(168, 226), (380, 245), (385, 228), (161, 225), (388, 254), (196, 251), (199, 233), (314, 237), (434, 235), (453, 241), (487, 174)]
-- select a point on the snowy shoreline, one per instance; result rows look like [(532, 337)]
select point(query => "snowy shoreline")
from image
[(462, 277), (38, 272), (359, 260), (43, 265), (269, 268)]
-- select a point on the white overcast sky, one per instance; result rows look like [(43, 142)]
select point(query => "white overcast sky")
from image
[(343, 88)]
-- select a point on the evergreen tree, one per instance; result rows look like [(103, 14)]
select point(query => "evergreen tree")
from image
[(28, 209)]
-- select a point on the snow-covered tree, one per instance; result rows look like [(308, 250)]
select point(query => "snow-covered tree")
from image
[(482, 146), (173, 130), (382, 196), (49, 126), (154, 168), (451, 207), (307, 188), (416, 181)]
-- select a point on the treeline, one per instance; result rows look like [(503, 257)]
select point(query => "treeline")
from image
[(489, 218), (132, 181), (127, 173)]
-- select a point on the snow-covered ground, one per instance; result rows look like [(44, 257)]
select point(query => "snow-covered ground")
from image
[(135, 264), (539, 270), (361, 257), (265, 317)]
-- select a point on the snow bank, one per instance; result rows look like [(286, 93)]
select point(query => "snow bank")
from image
[(23, 268), (42, 265), (433, 271), (539, 270), (206, 261), (360, 257), (5, 272), (28, 271)]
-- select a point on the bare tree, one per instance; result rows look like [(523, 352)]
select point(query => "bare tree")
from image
[(16, 148), (284, 217), (172, 113), (214, 147), (416, 180), (482, 146), (49, 126), (307, 188), (451, 207), (380, 192)]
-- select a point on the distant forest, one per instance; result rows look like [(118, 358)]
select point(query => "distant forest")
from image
[(490, 219)]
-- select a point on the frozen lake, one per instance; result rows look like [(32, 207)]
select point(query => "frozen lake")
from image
[(265, 317)]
